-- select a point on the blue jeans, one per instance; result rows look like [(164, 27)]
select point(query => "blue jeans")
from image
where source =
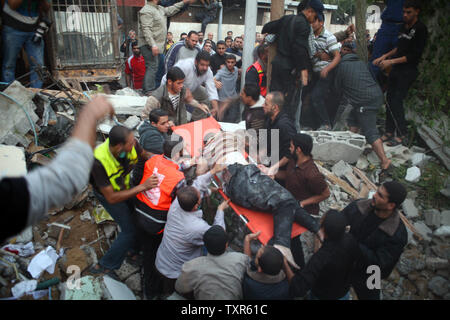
[(126, 240), (387, 38), (13, 41)]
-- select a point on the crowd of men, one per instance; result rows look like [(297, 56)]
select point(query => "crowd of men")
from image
[(145, 186)]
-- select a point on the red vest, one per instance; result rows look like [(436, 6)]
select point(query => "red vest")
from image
[(260, 71), (168, 176)]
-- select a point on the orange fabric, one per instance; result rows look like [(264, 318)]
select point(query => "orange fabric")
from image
[(193, 133), (168, 175), (261, 221), (260, 71)]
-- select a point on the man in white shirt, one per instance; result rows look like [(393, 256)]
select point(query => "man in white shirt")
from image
[(197, 72), (183, 234)]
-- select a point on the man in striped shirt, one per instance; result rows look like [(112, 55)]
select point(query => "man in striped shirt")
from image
[(324, 42)]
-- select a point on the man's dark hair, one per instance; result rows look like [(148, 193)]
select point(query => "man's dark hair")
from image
[(221, 42), (170, 143), (228, 38), (156, 114), (252, 90), (200, 32), (118, 135), (134, 44), (306, 4), (208, 41), (191, 33), (237, 37), (396, 191), (277, 99), (187, 198), (215, 240), (334, 225), (229, 31), (271, 261), (412, 4), (175, 74), (203, 55), (182, 34), (169, 32), (230, 57), (261, 49), (304, 142)]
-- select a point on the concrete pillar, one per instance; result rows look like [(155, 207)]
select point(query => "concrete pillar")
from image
[(219, 25)]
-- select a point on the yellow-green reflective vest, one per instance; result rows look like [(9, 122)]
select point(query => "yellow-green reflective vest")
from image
[(113, 168)]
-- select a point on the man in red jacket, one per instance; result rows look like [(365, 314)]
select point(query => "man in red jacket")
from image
[(135, 68)]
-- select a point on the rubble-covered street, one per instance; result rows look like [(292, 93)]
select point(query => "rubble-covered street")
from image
[(47, 260)]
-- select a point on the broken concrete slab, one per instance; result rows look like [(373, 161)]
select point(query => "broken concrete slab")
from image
[(398, 154), (127, 92), (362, 163), (419, 159), (128, 105), (132, 122), (337, 145), (410, 209), (424, 231), (12, 161), (89, 289), (115, 290), (14, 123), (341, 168)]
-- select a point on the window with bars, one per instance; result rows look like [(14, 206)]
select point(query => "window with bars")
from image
[(85, 33)]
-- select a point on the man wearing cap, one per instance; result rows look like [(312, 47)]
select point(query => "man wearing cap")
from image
[(376, 225), (217, 276), (293, 51)]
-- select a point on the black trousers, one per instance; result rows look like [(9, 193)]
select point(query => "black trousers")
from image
[(150, 234), (400, 80), (284, 81), (359, 284)]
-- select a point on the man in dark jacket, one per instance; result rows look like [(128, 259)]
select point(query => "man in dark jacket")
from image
[(356, 85), (327, 274), (210, 13), (376, 225), (293, 49)]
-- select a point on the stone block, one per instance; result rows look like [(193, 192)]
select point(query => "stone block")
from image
[(127, 105), (445, 218), (12, 161), (442, 232), (432, 218), (424, 231), (132, 122), (410, 260), (341, 168), (338, 145), (410, 209), (436, 263)]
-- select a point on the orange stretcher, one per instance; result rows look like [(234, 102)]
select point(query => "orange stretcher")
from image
[(193, 134)]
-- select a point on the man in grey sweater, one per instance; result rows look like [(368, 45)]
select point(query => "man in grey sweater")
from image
[(354, 81), (26, 200)]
